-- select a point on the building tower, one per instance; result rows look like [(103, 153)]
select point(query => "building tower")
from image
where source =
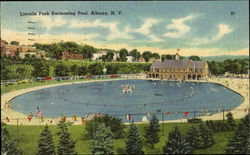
[(177, 56)]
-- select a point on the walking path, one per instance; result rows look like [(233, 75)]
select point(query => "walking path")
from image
[(240, 86)]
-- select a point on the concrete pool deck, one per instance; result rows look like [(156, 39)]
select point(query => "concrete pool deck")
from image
[(240, 86)]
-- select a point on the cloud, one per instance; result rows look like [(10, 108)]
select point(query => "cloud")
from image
[(49, 22), (114, 31), (179, 27), (223, 30), (145, 29), (22, 37)]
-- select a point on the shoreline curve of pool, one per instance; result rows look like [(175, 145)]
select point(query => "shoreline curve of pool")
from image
[(146, 98)]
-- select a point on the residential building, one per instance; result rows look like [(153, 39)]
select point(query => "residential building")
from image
[(69, 55)]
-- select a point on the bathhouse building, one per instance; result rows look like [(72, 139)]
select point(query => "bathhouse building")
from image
[(179, 69)]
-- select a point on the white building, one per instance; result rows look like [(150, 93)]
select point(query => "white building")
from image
[(130, 58), (98, 55), (116, 56)]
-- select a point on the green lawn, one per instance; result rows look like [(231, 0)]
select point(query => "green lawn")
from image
[(17, 86), (28, 137)]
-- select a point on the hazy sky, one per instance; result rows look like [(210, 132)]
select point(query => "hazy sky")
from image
[(198, 27)]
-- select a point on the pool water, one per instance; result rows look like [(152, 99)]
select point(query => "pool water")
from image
[(147, 98)]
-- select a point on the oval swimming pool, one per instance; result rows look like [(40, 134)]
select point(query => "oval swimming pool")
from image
[(168, 100)]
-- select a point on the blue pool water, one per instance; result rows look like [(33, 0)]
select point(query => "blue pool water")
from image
[(147, 98)]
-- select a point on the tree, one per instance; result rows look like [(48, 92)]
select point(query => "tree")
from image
[(96, 68), (41, 69), (152, 132), (82, 70), (114, 123), (45, 143), (147, 55), (136, 54), (109, 56), (192, 138), (205, 136), (102, 142), (230, 121), (240, 143), (66, 144), (156, 55), (123, 53), (14, 43), (176, 144), (194, 58), (61, 70), (88, 51), (112, 68), (8, 145), (167, 57), (133, 142), (74, 69)]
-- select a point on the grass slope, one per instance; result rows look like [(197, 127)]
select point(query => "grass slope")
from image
[(28, 137)]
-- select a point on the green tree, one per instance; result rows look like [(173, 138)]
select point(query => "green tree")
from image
[(45, 143), (230, 121), (88, 51), (109, 56), (66, 144), (152, 132), (156, 55), (192, 138), (82, 70), (112, 68), (176, 144), (205, 136), (240, 143), (62, 70), (14, 43), (167, 57), (136, 54), (123, 53), (41, 69), (61, 127), (74, 69), (115, 124), (102, 142), (8, 145), (133, 142), (96, 68), (147, 55), (194, 58)]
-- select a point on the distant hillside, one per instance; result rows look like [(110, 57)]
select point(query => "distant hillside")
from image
[(222, 57)]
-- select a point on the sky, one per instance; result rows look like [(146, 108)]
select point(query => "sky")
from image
[(204, 28)]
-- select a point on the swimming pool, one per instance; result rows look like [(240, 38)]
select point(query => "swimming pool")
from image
[(168, 100)]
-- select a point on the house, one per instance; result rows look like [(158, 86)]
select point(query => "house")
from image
[(141, 60), (98, 55), (130, 58), (116, 56), (69, 55), (179, 69)]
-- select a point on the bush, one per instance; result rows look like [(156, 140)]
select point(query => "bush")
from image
[(114, 123), (194, 120)]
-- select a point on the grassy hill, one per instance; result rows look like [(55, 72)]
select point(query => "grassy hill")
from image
[(28, 138)]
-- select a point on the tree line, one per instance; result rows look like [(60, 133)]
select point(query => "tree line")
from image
[(236, 66), (16, 68), (28, 68)]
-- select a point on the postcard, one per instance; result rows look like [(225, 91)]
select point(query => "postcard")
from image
[(125, 77)]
